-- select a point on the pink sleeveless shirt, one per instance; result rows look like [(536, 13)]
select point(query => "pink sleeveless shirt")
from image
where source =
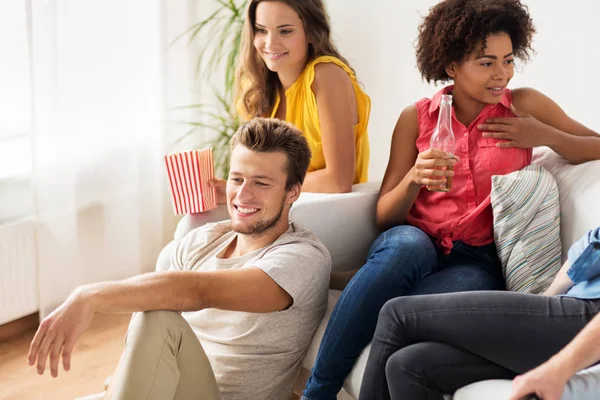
[(465, 213)]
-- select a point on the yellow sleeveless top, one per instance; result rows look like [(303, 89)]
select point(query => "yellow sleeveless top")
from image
[(301, 110)]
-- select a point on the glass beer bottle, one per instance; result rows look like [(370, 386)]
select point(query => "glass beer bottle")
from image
[(443, 139)]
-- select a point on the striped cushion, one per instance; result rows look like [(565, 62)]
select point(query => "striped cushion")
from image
[(527, 228)]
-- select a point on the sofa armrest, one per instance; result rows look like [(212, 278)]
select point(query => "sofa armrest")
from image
[(345, 222)]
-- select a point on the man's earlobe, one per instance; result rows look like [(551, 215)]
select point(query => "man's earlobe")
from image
[(293, 194)]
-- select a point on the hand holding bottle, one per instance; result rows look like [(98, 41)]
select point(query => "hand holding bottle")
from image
[(434, 169)]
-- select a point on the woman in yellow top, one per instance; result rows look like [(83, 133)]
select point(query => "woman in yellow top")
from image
[(289, 69)]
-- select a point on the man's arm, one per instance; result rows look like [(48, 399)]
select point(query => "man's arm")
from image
[(245, 289), (549, 379)]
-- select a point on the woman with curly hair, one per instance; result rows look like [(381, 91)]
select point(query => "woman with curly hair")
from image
[(436, 242)]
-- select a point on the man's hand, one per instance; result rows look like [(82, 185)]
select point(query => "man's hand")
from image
[(221, 186), (546, 381), (522, 130), (58, 333)]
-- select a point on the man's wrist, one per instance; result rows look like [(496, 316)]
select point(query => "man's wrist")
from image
[(88, 296)]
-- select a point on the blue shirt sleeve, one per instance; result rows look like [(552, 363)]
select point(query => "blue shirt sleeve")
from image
[(584, 257)]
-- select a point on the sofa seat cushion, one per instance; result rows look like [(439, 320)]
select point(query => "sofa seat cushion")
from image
[(585, 385), (488, 390)]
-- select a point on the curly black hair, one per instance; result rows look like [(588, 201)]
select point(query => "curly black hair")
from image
[(453, 29)]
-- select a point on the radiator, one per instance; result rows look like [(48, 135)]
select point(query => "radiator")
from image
[(18, 271)]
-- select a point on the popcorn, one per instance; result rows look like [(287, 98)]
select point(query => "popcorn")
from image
[(189, 173)]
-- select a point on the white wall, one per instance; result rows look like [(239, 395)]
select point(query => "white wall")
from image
[(182, 86), (378, 37)]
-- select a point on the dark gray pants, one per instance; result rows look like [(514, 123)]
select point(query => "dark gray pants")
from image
[(428, 345)]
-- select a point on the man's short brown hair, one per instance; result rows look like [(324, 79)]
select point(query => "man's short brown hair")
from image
[(265, 135)]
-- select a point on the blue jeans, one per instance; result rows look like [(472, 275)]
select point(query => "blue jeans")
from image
[(402, 261)]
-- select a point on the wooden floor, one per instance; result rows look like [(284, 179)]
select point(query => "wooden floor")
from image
[(93, 360)]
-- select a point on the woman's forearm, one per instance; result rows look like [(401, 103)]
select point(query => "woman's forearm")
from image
[(393, 207), (576, 149), (324, 181)]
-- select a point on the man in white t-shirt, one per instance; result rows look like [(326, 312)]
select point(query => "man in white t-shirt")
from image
[(251, 291)]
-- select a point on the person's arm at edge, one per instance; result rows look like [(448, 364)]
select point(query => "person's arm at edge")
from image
[(561, 283), (579, 266), (549, 379)]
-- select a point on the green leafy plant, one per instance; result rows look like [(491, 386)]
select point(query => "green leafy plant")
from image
[(219, 36)]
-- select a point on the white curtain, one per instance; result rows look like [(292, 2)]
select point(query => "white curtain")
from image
[(98, 139)]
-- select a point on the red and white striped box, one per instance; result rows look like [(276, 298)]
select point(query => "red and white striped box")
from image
[(189, 173)]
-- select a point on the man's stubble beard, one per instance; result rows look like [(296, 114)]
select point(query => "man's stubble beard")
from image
[(260, 228)]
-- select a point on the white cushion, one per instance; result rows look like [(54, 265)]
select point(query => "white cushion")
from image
[(344, 222), (579, 188), (585, 385), (488, 390), (527, 228)]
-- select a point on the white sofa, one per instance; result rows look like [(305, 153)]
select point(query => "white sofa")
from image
[(346, 224)]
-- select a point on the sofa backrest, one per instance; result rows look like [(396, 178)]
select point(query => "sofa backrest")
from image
[(579, 192), (345, 223)]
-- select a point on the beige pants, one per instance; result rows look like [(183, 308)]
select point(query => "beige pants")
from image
[(163, 359)]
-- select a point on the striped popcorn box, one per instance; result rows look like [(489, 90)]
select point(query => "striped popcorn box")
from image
[(189, 173)]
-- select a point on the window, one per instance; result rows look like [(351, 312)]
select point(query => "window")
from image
[(15, 91), (15, 111)]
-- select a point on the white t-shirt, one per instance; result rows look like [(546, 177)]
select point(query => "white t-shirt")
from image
[(257, 355)]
